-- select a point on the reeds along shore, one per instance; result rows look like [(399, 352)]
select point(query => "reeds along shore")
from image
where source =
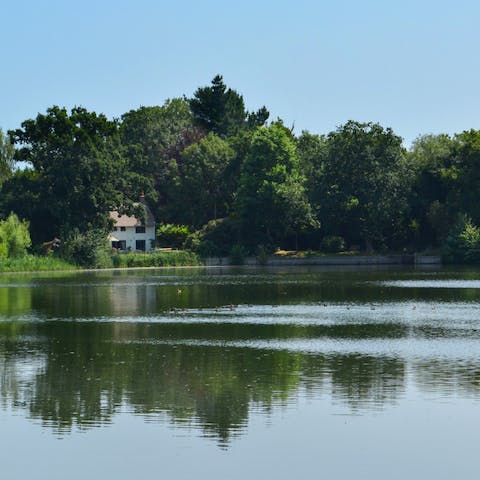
[(34, 263)]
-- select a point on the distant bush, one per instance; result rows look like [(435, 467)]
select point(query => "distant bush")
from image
[(89, 249), (463, 242), (332, 244), (216, 238), (173, 236), (174, 258), (192, 242), (237, 254), (14, 237)]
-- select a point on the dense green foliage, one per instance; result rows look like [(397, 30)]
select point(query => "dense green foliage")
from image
[(34, 263), (463, 243), (201, 194), (6, 157), (78, 174), (215, 238), (430, 212), (271, 203), (156, 259), (332, 244), (219, 179), (88, 249), (154, 139), (14, 237), (221, 110), (363, 184), (172, 236)]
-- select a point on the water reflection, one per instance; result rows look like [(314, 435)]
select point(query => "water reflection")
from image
[(82, 375), (77, 351), (94, 295)]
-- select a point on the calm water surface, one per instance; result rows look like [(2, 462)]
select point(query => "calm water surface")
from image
[(240, 373)]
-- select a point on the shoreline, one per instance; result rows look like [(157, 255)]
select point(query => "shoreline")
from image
[(331, 260)]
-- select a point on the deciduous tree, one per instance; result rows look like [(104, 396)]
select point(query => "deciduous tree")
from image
[(272, 202), (6, 157), (466, 175), (155, 138), (364, 183), (202, 190), (80, 171), (433, 165)]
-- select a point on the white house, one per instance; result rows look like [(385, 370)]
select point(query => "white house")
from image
[(130, 234)]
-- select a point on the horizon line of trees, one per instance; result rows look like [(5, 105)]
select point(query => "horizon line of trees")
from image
[(232, 179)]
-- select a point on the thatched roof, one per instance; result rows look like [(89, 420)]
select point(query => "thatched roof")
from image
[(127, 221)]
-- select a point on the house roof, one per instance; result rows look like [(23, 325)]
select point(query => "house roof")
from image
[(127, 221)]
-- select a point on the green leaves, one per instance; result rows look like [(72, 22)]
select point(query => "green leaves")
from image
[(80, 170), (271, 201), (14, 237), (222, 111), (363, 184), (6, 157), (202, 184), (463, 243), (205, 158)]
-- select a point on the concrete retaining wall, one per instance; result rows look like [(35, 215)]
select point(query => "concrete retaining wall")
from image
[(336, 260), (428, 260)]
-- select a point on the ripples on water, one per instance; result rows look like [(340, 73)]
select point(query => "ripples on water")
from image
[(209, 354), (432, 284)]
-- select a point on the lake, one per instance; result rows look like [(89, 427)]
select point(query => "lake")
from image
[(236, 373)]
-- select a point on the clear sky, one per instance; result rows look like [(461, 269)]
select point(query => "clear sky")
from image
[(410, 65)]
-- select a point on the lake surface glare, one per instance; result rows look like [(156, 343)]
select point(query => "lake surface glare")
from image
[(236, 373)]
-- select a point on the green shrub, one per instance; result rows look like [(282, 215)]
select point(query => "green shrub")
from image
[(215, 238), (173, 236), (14, 237), (332, 244), (238, 254), (174, 258), (89, 249), (117, 260), (192, 242), (207, 248), (3, 246), (463, 242)]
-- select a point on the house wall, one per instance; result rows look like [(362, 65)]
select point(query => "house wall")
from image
[(130, 237)]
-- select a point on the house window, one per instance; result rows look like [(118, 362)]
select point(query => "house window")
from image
[(140, 245), (139, 229), (120, 245), (122, 229), (115, 229)]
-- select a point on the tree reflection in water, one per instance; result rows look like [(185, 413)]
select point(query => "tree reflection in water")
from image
[(75, 351)]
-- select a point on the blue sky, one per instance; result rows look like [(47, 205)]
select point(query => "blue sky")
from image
[(410, 65)]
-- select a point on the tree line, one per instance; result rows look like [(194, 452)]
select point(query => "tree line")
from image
[(218, 177)]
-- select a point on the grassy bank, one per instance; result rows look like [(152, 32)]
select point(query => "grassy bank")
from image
[(174, 258), (33, 263)]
